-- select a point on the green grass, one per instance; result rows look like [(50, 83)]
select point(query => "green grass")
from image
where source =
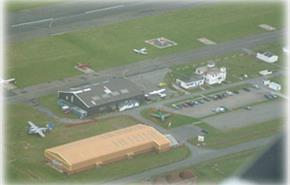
[(53, 58), (239, 63), (15, 6), (214, 171), (26, 165), (176, 120), (221, 139), (236, 63), (50, 102)]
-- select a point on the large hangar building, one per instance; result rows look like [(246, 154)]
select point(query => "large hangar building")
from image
[(104, 96), (106, 148)]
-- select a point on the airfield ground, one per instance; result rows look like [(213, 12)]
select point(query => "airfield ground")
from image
[(176, 119), (237, 64), (214, 171), (111, 45), (25, 152), (53, 58), (224, 138), (15, 6)]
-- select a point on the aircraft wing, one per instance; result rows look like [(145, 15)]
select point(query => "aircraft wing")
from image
[(32, 125), (40, 133)]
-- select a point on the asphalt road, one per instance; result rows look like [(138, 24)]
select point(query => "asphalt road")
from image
[(197, 156), (75, 15), (145, 65)]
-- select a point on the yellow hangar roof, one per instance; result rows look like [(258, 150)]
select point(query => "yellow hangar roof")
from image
[(119, 141)]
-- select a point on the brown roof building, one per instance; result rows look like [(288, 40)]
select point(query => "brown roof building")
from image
[(106, 148)]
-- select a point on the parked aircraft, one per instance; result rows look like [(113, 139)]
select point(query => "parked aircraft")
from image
[(159, 92), (9, 81), (33, 129), (142, 51), (130, 104), (83, 66), (160, 115)]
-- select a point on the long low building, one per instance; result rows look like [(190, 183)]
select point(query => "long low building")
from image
[(106, 148), (103, 96)]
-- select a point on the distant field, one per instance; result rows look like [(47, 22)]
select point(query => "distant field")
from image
[(25, 152), (216, 170), (15, 6), (221, 139), (53, 58)]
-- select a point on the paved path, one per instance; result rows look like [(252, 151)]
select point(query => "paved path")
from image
[(197, 156)]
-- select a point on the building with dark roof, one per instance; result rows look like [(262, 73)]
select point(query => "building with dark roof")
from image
[(103, 96)]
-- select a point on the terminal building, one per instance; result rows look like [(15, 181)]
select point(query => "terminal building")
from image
[(209, 74), (106, 148), (115, 94)]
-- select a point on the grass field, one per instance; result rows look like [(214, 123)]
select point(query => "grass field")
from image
[(221, 139), (50, 102), (237, 64), (216, 170), (16, 6), (25, 152), (53, 58), (176, 120)]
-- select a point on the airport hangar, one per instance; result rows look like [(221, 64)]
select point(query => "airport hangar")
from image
[(103, 96), (106, 148)]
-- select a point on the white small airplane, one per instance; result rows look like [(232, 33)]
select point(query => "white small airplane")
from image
[(33, 129), (159, 92), (142, 51), (9, 81)]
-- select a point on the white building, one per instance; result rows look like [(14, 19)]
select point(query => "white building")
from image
[(267, 57), (272, 85), (212, 75), (190, 82)]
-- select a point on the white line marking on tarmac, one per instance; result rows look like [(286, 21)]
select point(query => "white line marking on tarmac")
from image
[(58, 18), (104, 9), (55, 34), (32, 22)]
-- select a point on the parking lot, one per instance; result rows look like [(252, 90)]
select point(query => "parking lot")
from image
[(207, 105), (241, 118)]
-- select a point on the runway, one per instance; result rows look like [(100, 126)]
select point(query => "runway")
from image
[(73, 15)]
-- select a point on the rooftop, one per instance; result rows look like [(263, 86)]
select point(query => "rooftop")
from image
[(108, 143), (106, 91)]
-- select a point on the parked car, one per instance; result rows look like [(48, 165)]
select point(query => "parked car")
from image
[(246, 89), (248, 108), (184, 105), (219, 96), (236, 92), (206, 99), (200, 101), (269, 97), (204, 131)]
